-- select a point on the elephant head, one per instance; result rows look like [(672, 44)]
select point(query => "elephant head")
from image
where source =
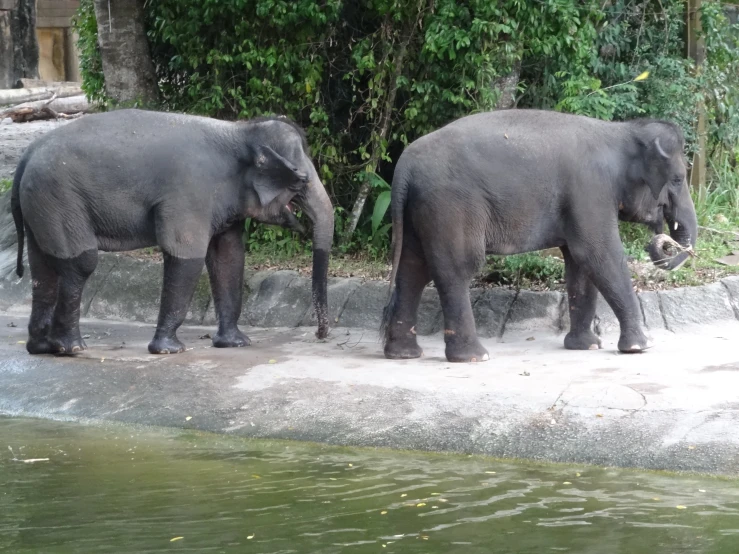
[(282, 179), (656, 189)]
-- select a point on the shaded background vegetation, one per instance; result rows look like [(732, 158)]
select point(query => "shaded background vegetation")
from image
[(366, 77)]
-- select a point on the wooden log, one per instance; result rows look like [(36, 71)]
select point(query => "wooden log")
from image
[(48, 109), (34, 83), (14, 96)]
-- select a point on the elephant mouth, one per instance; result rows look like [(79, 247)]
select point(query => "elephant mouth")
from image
[(289, 217)]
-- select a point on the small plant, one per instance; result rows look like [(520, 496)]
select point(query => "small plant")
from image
[(521, 271), (5, 185)]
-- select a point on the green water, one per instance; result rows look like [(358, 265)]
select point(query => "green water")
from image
[(117, 489)]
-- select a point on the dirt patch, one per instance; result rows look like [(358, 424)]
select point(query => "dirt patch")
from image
[(15, 138)]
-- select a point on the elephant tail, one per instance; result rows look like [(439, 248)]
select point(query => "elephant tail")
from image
[(397, 209), (15, 206)]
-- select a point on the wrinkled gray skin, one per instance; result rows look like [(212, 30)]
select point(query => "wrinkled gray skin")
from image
[(516, 181), (131, 179)]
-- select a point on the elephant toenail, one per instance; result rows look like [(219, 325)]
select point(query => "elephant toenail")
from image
[(486, 357), (76, 349), (62, 350), (593, 347), (473, 360), (635, 347)]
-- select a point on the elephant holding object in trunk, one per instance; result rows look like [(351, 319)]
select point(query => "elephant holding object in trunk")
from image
[(515, 181), (130, 179)]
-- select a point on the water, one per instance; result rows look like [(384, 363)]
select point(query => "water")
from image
[(118, 489)]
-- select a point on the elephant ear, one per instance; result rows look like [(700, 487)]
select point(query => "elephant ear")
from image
[(658, 148), (275, 175)]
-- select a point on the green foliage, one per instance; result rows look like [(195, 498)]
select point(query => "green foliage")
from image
[(5, 185), (525, 271), (366, 77), (91, 63)]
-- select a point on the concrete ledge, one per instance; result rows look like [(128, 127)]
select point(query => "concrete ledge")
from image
[(127, 289), (673, 408)]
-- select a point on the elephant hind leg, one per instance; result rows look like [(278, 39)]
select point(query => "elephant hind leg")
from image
[(581, 297), (44, 281), (401, 314), (453, 261), (64, 335)]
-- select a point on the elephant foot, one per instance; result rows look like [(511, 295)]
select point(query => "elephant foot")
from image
[(405, 348), (582, 340), (465, 351), (166, 345), (231, 339), (68, 345), (39, 346), (634, 342)]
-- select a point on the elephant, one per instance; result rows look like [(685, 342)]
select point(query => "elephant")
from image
[(129, 179), (521, 180)]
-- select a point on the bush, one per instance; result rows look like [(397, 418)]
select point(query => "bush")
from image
[(366, 77)]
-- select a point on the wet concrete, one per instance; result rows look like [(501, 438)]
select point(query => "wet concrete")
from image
[(675, 407)]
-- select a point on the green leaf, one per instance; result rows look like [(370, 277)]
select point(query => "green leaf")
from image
[(381, 205)]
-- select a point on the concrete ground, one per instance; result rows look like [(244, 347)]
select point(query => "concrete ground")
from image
[(674, 407)]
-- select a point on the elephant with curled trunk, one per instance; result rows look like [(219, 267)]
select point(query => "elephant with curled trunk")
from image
[(131, 179), (515, 181)]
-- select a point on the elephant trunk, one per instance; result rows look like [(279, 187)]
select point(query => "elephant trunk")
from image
[(317, 206), (683, 224)]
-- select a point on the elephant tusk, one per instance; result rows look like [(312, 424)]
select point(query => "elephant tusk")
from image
[(676, 226)]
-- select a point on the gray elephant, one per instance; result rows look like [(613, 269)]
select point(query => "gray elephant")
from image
[(515, 181), (131, 179)]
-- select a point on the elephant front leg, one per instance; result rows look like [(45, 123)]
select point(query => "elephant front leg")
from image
[(609, 272), (401, 341), (180, 279), (582, 297), (225, 262)]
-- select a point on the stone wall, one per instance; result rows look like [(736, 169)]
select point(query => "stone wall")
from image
[(126, 288)]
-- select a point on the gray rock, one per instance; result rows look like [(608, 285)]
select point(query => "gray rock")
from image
[(535, 310), (6, 121), (106, 263), (650, 307), (339, 291), (732, 286), (364, 307), (430, 317), (491, 310), (132, 289), (15, 293), (695, 305), (279, 299), (605, 320), (253, 283), (8, 240)]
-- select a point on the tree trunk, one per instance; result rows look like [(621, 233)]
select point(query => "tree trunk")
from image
[(127, 66), (18, 45), (507, 85), (380, 135)]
